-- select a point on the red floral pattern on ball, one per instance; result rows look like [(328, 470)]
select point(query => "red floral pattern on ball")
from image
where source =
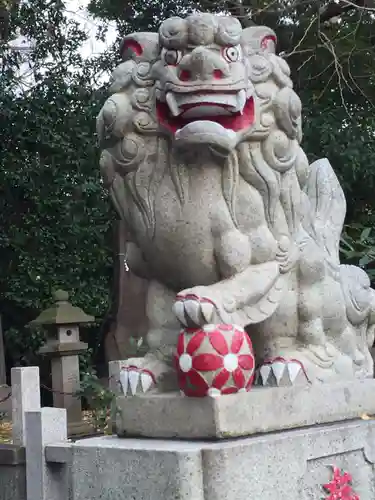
[(214, 360)]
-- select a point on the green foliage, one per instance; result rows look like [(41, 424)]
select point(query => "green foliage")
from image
[(358, 247), (55, 216), (98, 397)]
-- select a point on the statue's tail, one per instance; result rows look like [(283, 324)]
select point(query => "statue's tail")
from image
[(325, 208)]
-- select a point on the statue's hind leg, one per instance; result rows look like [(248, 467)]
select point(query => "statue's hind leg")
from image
[(276, 345), (155, 372), (296, 349)]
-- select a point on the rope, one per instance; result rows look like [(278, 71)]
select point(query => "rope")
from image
[(47, 389), (6, 397)]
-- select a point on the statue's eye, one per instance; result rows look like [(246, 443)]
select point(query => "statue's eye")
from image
[(171, 57), (232, 54)]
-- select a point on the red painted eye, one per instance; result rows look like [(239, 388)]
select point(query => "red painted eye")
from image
[(171, 57), (232, 54)]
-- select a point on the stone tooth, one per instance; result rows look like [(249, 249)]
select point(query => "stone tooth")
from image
[(293, 370), (133, 381), (206, 110), (264, 373), (160, 96), (146, 381), (124, 381), (278, 370), (173, 106), (241, 100), (214, 98)]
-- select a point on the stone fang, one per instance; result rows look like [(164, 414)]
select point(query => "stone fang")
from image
[(241, 100), (171, 101)]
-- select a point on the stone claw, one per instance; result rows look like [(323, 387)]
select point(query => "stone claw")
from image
[(280, 372), (193, 311), (135, 380), (179, 311)]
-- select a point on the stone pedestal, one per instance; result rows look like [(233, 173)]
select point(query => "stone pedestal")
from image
[(261, 410), (292, 464), (294, 442)]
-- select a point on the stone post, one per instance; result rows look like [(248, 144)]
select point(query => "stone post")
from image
[(5, 405), (43, 427), (3, 380), (63, 347), (25, 397)]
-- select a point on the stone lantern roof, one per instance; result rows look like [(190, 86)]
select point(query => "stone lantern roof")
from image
[(62, 313)]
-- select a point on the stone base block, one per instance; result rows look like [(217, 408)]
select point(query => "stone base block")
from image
[(12, 472), (288, 464), (260, 410), (80, 430)]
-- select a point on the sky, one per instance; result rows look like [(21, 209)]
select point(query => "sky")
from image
[(76, 9)]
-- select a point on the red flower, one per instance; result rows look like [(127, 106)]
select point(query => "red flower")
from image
[(340, 487), (232, 363)]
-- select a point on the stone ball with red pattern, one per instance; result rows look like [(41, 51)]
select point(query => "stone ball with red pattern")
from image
[(214, 360)]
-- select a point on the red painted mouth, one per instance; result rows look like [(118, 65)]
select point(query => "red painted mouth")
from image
[(235, 122)]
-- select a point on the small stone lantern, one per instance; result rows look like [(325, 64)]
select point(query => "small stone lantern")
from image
[(63, 346)]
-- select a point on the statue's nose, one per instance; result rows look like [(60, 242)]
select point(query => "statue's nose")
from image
[(203, 64)]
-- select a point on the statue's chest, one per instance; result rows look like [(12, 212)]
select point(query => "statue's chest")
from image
[(194, 237), (187, 214), (191, 207)]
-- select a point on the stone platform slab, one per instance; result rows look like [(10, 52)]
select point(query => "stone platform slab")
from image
[(288, 464), (261, 410)]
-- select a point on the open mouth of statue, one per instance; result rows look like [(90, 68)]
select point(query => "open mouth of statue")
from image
[(231, 110)]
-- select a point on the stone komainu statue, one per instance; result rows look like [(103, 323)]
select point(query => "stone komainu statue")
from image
[(228, 221)]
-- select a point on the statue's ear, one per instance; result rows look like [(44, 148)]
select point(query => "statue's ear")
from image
[(140, 46), (259, 39)]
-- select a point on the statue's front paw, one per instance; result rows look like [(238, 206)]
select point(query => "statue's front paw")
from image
[(193, 308), (135, 380)]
